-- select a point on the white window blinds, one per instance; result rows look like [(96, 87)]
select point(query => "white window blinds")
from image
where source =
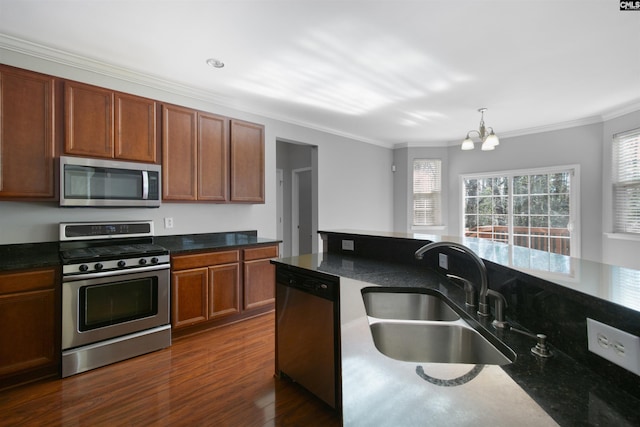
[(427, 192), (626, 182)]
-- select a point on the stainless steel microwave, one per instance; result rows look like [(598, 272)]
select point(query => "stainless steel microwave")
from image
[(109, 183)]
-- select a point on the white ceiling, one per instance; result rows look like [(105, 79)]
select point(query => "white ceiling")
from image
[(385, 72)]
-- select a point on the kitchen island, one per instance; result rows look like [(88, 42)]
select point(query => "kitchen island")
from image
[(378, 390)]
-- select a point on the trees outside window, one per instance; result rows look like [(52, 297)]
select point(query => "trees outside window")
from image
[(531, 209)]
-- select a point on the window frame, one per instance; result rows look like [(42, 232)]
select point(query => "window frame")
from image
[(574, 196), (438, 221), (617, 226)]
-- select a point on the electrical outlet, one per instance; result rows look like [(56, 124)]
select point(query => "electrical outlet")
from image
[(619, 347), (347, 245), (168, 222), (443, 261)]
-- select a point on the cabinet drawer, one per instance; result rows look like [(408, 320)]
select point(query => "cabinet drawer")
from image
[(260, 253), (27, 281), (182, 262)]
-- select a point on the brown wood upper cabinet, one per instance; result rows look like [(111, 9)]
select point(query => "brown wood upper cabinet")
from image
[(107, 124), (27, 134), (195, 155), (210, 158), (247, 162)]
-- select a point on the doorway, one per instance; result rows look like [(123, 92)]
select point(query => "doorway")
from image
[(302, 229), (297, 184)]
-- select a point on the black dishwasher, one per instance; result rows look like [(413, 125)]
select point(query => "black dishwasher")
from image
[(308, 331)]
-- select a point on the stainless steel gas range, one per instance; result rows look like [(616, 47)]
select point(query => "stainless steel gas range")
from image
[(115, 293)]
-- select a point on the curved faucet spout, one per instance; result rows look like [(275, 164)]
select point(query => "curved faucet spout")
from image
[(483, 307)]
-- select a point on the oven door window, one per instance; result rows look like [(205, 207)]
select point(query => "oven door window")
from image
[(113, 303)]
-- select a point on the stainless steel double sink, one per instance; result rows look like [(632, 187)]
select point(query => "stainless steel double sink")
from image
[(422, 325)]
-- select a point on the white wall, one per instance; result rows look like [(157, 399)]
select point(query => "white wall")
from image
[(616, 250), (355, 184)]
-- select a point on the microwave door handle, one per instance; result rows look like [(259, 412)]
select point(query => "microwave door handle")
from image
[(145, 185)]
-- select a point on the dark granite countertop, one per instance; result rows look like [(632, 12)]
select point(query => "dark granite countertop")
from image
[(378, 390), (185, 243), (588, 277), (29, 256), (38, 255)]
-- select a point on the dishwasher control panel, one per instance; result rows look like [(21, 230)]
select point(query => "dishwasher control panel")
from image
[(323, 286)]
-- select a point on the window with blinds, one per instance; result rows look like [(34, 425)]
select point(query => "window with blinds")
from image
[(626, 182), (427, 190), (626, 289)]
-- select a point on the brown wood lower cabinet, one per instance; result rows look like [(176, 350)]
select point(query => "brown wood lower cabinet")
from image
[(259, 277), (214, 288), (29, 329), (224, 290)]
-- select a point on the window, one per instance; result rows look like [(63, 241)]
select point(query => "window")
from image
[(531, 209), (427, 192), (626, 182), (626, 290)]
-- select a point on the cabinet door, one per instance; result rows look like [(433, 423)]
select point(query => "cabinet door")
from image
[(213, 158), (135, 122), (29, 325), (259, 283), (189, 297), (28, 331), (224, 290), (88, 120), (179, 153), (247, 162), (27, 147)]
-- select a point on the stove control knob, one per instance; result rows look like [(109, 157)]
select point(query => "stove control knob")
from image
[(83, 267), (154, 260), (98, 266), (143, 261), (122, 264)]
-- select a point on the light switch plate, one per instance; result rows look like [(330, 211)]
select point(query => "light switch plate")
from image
[(619, 347)]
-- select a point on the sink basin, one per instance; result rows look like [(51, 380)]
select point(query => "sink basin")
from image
[(437, 343), (421, 325), (407, 304)]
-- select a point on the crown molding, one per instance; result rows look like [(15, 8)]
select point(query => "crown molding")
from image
[(82, 63), (609, 115), (621, 111), (78, 62)]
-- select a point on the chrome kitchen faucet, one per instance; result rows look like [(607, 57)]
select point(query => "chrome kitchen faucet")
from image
[(483, 307)]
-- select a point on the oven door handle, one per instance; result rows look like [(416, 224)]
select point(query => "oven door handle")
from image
[(84, 276)]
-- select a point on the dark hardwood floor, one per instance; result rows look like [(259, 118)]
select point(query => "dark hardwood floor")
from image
[(221, 377)]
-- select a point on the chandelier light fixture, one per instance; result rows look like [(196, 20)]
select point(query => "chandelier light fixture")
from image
[(489, 140)]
